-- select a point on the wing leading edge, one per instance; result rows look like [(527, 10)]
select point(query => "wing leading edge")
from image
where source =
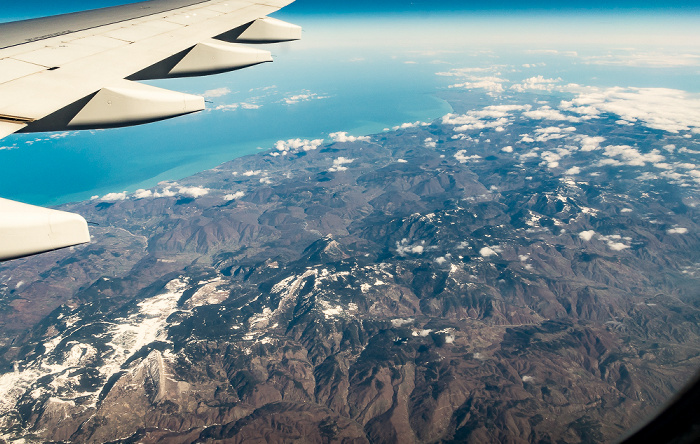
[(81, 71)]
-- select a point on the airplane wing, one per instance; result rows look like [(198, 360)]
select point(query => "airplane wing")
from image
[(81, 71)]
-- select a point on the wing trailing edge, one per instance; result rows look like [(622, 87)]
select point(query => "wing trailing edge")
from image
[(26, 229)]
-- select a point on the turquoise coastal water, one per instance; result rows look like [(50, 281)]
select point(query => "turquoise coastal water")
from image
[(301, 95)]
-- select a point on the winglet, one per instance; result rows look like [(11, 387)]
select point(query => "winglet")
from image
[(26, 230)]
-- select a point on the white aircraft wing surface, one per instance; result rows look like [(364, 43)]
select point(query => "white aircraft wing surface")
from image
[(81, 71)]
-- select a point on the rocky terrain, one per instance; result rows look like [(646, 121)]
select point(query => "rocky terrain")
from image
[(483, 278)]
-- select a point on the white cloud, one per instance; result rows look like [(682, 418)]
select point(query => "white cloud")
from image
[(114, 197), (507, 149), (617, 246), (553, 132), (589, 143), (410, 125), (303, 97), (234, 196), (613, 242), (404, 247), (487, 251), (343, 137), (193, 191), (291, 146), (548, 113), (142, 194), (230, 107), (677, 230), (573, 171), (429, 142), (664, 109), (235, 106), (551, 158), (631, 156), (586, 235), (338, 164), (462, 157), (167, 191), (218, 92), (495, 116), (402, 160), (538, 83), (491, 84)]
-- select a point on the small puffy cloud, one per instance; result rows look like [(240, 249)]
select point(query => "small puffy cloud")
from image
[(495, 116), (430, 142), (171, 190), (553, 132), (617, 246), (305, 96), (677, 230), (551, 158), (234, 196), (614, 243), (402, 160), (589, 143), (230, 107), (491, 84), (404, 247), (167, 191), (344, 137), (291, 146), (586, 235), (462, 157), (338, 164), (538, 83), (235, 106), (633, 157), (142, 194), (194, 192), (410, 125), (573, 171), (114, 197), (507, 149), (218, 92), (548, 113), (487, 251)]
